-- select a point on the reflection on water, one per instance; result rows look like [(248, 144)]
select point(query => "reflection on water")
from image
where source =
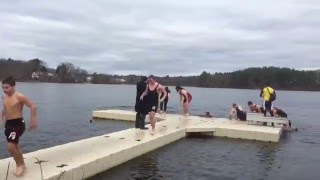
[(202, 158), (266, 154), (144, 167)]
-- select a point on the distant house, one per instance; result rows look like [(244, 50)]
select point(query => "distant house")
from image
[(50, 75), (35, 75), (89, 79), (118, 80)]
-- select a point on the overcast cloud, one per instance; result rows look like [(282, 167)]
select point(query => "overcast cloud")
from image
[(181, 37)]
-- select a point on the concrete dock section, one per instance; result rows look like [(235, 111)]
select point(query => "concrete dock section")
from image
[(88, 157), (220, 127)]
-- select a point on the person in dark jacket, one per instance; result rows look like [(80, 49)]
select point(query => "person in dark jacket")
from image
[(279, 112), (140, 104), (163, 105)]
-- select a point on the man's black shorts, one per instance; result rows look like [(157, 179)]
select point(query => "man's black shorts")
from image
[(14, 129)]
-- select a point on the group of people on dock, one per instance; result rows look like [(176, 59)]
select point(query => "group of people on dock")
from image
[(149, 93), (269, 95)]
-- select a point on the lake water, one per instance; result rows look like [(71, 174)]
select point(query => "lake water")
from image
[(64, 114)]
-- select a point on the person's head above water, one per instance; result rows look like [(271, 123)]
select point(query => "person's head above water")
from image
[(8, 85), (208, 115), (250, 103)]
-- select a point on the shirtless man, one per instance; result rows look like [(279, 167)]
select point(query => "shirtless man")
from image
[(255, 107), (151, 92), (13, 103)]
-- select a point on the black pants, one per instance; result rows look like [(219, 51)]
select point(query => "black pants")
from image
[(242, 115), (140, 120), (163, 106), (267, 108)]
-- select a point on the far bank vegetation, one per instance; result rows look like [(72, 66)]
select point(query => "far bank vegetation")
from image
[(250, 78)]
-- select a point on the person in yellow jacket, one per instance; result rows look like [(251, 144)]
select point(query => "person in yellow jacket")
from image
[(268, 95)]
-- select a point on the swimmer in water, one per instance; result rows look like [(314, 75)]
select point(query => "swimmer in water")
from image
[(206, 115)]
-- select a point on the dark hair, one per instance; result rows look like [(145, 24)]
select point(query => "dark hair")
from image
[(143, 78), (151, 76), (178, 88), (9, 80), (167, 89), (234, 105), (249, 102)]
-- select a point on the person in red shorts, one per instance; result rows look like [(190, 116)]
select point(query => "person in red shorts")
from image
[(13, 103), (185, 99)]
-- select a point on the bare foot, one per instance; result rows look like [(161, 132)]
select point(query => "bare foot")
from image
[(152, 132), (20, 170)]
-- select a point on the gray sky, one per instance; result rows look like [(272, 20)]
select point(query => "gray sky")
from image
[(163, 37)]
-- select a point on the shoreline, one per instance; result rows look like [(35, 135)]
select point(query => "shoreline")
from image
[(33, 81)]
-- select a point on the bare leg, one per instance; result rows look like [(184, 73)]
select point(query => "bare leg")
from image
[(14, 150), (186, 108), (152, 121)]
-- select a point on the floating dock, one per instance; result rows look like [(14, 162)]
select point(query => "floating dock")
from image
[(220, 127), (88, 157)]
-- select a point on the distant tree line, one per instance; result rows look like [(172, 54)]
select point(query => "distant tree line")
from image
[(21, 70), (37, 70), (69, 73), (253, 78), (250, 78)]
